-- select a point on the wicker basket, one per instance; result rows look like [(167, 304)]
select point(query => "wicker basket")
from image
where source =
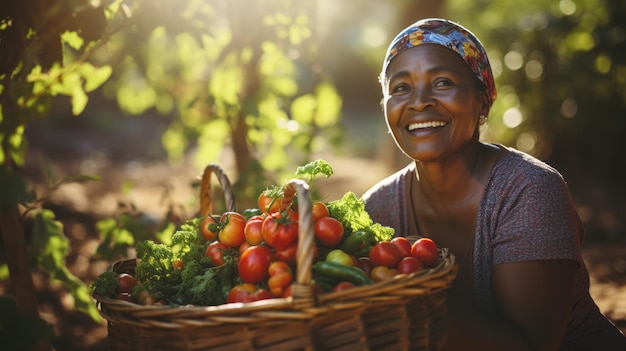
[(407, 312)]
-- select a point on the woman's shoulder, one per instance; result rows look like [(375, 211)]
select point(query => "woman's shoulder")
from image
[(521, 166)]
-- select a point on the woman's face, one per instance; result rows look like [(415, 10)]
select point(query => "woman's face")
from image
[(432, 102)]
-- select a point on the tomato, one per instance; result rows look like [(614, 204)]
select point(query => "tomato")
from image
[(178, 264), (146, 298), (409, 264), (288, 290), (329, 231), (425, 250), (252, 231), (243, 247), (125, 283), (403, 244), (380, 273), (277, 267), (385, 254), (232, 232), (280, 231), (240, 293), (319, 210), (365, 264), (209, 227), (268, 204), (278, 283), (289, 254), (247, 292), (254, 263), (339, 256), (341, 286), (216, 251)]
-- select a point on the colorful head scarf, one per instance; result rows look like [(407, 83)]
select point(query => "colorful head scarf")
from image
[(451, 35)]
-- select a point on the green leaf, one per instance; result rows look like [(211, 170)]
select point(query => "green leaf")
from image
[(72, 39), (79, 100), (95, 77), (312, 169), (50, 247)]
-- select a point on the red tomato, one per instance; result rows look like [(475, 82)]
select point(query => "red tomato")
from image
[(380, 273), (261, 294), (125, 283), (289, 254), (209, 227), (409, 264), (278, 283), (319, 210), (403, 244), (247, 292), (277, 267), (425, 250), (252, 232), (329, 231), (254, 263), (240, 293), (287, 292), (178, 264), (385, 254), (268, 204), (232, 232), (280, 231), (365, 264), (243, 247), (341, 286), (216, 251)]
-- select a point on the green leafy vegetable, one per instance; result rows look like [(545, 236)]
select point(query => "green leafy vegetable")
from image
[(350, 210), (314, 168), (105, 284)]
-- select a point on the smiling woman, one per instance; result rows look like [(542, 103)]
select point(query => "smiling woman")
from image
[(508, 217)]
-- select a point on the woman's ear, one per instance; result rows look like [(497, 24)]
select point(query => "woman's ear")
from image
[(484, 103)]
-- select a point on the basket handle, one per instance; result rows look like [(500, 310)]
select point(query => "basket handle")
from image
[(206, 206), (303, 292)]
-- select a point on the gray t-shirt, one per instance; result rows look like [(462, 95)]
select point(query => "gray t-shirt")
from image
[(526, 214)]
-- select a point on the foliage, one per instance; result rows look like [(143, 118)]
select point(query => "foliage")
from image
[(232, 77), (560, 69)]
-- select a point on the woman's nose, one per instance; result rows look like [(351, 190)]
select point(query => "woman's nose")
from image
[(421, 98)]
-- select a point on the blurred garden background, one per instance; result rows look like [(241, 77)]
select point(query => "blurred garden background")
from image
[(110, 110)]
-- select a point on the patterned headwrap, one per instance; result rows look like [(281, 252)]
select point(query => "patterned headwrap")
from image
[(451, 35)]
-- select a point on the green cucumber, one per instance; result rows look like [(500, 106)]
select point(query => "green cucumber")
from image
[(342, 272)]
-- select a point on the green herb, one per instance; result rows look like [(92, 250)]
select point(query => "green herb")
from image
[(105, 284), (350, 210)]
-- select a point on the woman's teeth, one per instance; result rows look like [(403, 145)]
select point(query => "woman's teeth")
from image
[(423, 125)]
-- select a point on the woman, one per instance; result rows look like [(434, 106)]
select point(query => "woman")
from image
[(507, 217)]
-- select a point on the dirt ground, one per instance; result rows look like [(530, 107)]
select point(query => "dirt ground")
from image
[(79, 207)]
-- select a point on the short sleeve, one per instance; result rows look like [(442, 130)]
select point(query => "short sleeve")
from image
[(537, 221)]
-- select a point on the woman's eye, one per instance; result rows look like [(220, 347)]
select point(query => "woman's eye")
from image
[(399, 88), (443, 83)]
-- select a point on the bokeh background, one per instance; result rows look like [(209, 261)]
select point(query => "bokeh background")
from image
[(111, 110)]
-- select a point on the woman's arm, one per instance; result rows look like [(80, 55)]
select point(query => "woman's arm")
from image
[(534, 300)]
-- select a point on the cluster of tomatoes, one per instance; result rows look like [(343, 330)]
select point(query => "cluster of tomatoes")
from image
[(266, 244), (398, 256)]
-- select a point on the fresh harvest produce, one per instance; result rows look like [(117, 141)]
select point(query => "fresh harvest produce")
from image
[(250, 256)]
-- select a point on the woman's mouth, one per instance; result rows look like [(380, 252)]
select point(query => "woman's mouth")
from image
[(424, 125)]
